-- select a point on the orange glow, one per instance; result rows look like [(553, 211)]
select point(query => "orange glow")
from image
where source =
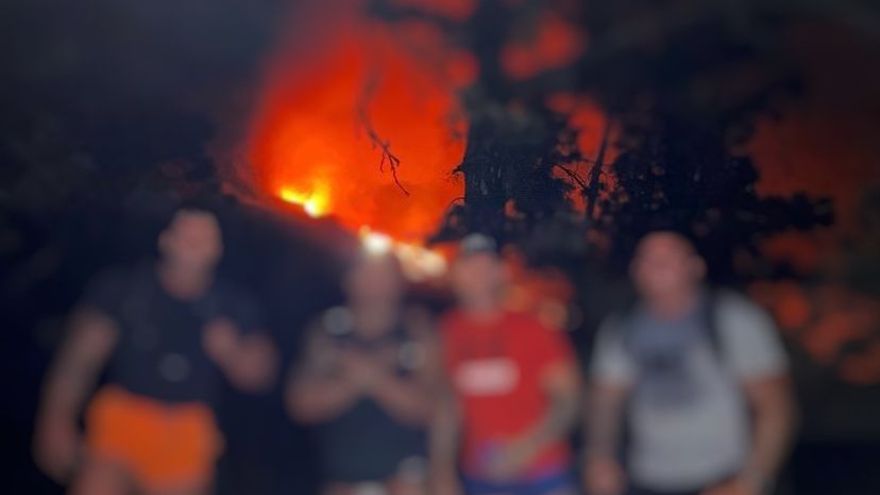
[(418, 262), (832, 323), (825, 144), (588, 119), (554, 43), (314, 202), (334, 100)]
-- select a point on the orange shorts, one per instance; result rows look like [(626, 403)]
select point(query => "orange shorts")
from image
[(162, 446)]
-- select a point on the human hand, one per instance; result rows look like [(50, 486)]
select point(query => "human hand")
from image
[(444, 482), (57, 446), (220, 340), (740, 485), (511, 460), (256, 364), (603, 475), (362, 370)]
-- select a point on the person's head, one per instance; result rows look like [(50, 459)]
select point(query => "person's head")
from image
[(478, 271), (666, 262), (374, 279), (191, 241)]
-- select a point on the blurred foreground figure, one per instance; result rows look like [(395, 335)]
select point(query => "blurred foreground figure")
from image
[(167, 330), (364, 382), (512, 391), (705, 379)]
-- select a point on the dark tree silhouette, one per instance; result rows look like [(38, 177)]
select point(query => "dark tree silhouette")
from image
[(680, 82), (514, 140)]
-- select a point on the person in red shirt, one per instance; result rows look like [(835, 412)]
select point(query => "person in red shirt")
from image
[(510, 391)]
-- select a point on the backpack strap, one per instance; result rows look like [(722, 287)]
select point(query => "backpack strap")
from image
[(712, 323)]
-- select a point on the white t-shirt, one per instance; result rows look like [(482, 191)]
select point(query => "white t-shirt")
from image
[(688, 416)]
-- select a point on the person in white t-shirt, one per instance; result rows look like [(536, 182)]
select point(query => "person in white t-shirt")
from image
[(702, 378)]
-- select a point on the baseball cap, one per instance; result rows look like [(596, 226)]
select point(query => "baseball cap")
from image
[(477, 244)]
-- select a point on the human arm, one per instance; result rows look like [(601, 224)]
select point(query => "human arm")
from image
[(612, 373), (316, 390), (444, 443), (758, 360), (408, 398), (249, 360), (603, 474), (550, 361), (561, 384), (774, 414), (774, 425), (71, 377)]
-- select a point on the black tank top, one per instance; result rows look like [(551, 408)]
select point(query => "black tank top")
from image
[(366, 443), (159, 352)]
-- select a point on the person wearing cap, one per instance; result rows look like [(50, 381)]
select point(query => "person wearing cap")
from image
[(510, 394), (363, 383)]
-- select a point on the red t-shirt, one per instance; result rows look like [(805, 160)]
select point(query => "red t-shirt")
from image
[(495, 369)]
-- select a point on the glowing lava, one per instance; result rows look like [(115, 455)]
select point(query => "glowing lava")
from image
[(315, 202), (351, 124)]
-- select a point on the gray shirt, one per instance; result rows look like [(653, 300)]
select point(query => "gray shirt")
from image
[(688, 416)]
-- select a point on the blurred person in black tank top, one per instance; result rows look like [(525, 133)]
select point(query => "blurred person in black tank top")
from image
[(364, 384), (166, 333)]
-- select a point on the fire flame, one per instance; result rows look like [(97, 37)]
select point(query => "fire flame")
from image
[(315, 202), (418, 262), (355, 126), (352, 124)]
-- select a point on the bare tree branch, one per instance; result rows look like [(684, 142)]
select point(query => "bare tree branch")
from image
[(573, 176), (384, 145), (593, 192)]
